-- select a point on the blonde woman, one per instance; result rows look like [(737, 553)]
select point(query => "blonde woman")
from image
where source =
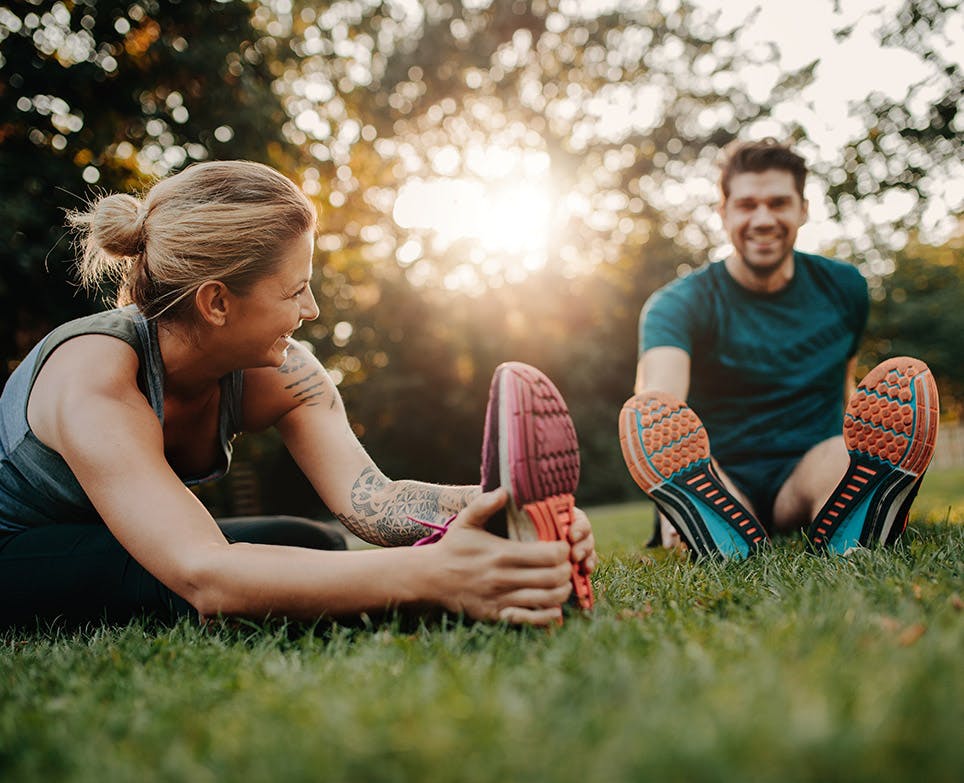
[(111, 417)]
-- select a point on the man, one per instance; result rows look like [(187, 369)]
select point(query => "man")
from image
[(762, 346)]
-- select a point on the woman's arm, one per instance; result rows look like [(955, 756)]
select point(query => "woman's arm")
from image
[(303, 402), (103, 427), (382, 511)]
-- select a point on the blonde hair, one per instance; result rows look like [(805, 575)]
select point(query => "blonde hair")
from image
[(221, 220)]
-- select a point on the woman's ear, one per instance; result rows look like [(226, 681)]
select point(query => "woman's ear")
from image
[(212, 302)]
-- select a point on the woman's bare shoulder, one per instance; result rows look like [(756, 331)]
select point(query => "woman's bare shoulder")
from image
[(90, 361), (270, 393), (87, 367)]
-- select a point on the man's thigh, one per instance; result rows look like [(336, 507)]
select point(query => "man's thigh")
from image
[(759, 482), (810, 484)]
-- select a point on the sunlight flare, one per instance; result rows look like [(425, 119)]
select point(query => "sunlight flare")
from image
[(507, 219)]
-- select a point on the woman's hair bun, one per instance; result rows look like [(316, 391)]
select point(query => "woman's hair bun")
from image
[(117, 225)]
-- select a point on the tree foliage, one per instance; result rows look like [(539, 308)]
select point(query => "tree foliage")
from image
[(618, 115), (105, 95), (614, 112), (911, 144), (919, 314)]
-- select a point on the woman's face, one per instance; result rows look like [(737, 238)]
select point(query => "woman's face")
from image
[(276, 305)]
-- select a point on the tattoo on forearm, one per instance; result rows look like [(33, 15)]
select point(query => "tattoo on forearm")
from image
[(380, 508), (307, 389)]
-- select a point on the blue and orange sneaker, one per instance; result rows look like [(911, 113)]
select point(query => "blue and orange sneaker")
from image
[(890, 428), (667, 451), (530, 448)]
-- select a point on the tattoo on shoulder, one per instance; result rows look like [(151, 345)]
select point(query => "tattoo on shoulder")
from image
[(308, 385), (293, 362)]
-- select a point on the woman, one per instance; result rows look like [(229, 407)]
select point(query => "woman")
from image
[(109, 419)]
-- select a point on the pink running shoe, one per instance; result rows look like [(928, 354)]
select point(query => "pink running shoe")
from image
[(529, 447), (890, 429)]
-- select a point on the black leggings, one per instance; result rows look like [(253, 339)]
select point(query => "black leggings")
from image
[(81, 573)]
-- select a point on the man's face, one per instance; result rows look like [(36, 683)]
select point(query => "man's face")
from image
[(761, 216)]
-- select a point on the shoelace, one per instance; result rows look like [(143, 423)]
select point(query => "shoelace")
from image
[(440, 530)]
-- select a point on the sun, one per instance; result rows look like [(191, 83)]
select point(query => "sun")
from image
[(507, 221)]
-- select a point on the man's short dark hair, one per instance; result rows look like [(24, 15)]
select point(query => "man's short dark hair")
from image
[(739, 157)]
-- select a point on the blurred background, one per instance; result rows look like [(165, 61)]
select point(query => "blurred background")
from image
[(496, 180)]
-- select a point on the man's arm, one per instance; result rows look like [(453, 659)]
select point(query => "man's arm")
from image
[(664, 368), (850, 379), (667, 325)]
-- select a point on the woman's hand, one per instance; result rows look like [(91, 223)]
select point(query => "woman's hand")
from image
[(583, 543), (492, 578)]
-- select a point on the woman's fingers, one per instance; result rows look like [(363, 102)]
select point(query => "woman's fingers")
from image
[(590, 563), (520, 582), (549, 578), (579, 549), (483, 506), (536, 598), (532, 554), (583, 542), (518, 616)]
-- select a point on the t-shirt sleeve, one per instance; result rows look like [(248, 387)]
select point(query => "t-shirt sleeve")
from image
[(666, 320), (861, 306)]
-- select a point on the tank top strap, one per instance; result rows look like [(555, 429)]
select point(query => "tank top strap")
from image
[(152, 366), (232, 386)]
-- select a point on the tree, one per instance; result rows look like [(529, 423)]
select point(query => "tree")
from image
[(617, 114), (910, 145), (910, 149), (105, 95), (918, 313)]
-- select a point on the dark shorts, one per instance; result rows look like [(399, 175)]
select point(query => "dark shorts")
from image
[(760, 480), (81, 573)]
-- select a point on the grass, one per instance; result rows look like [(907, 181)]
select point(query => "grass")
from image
[(782, 668)]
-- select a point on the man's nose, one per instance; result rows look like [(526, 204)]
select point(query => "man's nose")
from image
[(762, 216)]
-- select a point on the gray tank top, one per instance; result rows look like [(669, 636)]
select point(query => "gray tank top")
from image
[(36, 485)]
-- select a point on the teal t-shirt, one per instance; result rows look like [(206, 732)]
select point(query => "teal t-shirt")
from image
[(767, 370)]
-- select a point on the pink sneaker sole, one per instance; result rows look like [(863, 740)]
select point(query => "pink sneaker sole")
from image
[(530, 448)]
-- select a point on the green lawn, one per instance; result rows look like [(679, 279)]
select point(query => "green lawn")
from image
[(786, 667)]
